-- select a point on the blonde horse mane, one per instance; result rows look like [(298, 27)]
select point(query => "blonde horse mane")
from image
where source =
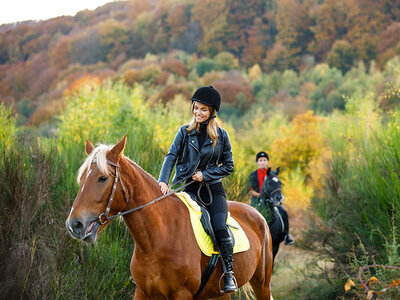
[(98, 155)]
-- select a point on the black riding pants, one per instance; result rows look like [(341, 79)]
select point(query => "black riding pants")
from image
[(217, 207)]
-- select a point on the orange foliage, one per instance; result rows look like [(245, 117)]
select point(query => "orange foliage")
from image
[(277, 58), (389, 41), (169, 92), (254, 50), (330, 19), (175, 66), (210, 77), (230, 90), (177, 19), (87, 80), (162, 78)]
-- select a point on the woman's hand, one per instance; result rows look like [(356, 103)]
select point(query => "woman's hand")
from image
[(164, 188), (254, 194), (198, 176)]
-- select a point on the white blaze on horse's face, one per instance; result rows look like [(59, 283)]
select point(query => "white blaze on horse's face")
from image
[(275, 179), (87, 175)]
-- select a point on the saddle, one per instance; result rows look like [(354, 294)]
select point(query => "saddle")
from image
[(204, 233)]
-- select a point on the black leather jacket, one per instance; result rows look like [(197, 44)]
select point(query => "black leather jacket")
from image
[(184, 151)]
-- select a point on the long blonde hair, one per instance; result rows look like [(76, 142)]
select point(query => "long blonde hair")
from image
[(212, 126)]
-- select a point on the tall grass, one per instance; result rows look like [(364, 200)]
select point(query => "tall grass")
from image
[(361, 201)]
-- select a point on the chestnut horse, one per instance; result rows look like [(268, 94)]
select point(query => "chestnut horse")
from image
[(167, 262)]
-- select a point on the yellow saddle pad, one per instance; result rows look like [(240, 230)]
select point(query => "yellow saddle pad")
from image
[(203, 239)]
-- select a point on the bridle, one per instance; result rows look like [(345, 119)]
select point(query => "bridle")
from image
[(104, 218), (111, 198), (272, 193)]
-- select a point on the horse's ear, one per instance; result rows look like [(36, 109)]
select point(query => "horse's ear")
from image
[(89, 147), (268, 171), (277, 171), (118, 149)]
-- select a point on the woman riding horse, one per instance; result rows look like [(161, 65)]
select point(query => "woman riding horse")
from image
[(166, 263), (202, 153)]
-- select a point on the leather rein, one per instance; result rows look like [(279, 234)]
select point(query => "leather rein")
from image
[(103, 217)]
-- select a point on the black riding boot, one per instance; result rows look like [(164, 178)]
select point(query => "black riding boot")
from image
[(226, 251)]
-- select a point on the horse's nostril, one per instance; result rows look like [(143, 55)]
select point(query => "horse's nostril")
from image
[(77, 226)]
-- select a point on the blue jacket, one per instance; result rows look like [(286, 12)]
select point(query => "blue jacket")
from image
[(184, 151)]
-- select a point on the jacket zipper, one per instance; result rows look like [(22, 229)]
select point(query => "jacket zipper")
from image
[(210, 158), (219, 152)]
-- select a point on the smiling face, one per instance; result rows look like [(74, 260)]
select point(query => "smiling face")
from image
[(201, 112), (262, 163)]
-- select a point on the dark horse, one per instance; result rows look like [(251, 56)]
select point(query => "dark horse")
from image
[(271, 195), (167, 262)]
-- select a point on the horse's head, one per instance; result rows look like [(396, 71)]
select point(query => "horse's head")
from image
[(98, 178), (271, 189)]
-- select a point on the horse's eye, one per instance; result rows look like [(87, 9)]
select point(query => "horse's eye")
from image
[(103, 179)]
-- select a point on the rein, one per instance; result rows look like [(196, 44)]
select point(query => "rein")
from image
[(103, 217)]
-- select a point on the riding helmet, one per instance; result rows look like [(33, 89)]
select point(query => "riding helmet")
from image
[(262, 154), (208, 96)]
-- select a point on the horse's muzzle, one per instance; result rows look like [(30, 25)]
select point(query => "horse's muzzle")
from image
[(85, 230)]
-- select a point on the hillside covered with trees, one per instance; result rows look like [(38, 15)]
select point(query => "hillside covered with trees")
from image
[(40, 62)]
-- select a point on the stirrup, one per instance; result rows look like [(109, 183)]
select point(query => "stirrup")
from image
[(222, 291)]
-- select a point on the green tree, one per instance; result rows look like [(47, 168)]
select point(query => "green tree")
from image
[(341, 56)]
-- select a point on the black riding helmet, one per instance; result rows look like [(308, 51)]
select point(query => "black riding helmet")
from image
[(262, 154), (208, 96)]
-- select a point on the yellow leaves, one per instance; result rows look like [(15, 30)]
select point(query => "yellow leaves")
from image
[(349, 284), (373, 280), (255, 72), (380, 288), (300, 143), (297, 193), (372, 295)]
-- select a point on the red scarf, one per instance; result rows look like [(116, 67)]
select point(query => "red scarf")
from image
[(261, 175)]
